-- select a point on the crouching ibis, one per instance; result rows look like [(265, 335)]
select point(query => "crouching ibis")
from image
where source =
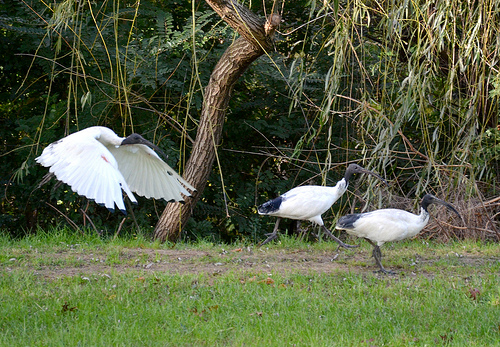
[(386, 225), (309, 203), (98, 164)]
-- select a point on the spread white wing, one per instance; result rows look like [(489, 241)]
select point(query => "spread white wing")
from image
[(147, 175), (88, 167)]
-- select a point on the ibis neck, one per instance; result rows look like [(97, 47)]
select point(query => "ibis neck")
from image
[(341, 186), (424, 214), (107, 136)]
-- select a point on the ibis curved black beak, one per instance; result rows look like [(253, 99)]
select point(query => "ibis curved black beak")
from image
[(433, 200), (355, 168), (375, 175), (135, 139)]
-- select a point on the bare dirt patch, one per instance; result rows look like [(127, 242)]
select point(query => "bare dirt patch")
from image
[(140, 261), (85, 263)]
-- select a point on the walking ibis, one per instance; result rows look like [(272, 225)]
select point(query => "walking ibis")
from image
[(309, 203), (98, 164), (386, 225)]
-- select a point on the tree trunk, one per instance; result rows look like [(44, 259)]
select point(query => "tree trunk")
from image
[(255, 40)]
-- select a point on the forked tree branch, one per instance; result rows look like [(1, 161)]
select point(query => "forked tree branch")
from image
[(256, 39)]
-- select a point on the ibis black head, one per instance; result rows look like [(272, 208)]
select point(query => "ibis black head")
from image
[(355, 168), (431, 199), (136, 139)]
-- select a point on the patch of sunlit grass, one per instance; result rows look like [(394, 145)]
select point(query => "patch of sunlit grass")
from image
[(249, 309)]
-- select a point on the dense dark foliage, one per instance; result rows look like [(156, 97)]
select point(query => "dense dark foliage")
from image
[(296, 116)]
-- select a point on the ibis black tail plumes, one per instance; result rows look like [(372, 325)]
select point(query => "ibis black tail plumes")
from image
[(270, 206), (347, 222)]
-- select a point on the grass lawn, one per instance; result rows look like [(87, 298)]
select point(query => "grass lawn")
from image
[(64, 289)]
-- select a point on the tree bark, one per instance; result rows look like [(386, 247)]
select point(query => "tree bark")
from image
[(256, 39)]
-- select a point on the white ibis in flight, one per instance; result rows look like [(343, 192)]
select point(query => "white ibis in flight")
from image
[(98, 164), (309, 203), (386, 225)]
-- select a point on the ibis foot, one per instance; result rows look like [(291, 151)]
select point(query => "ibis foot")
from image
[(345, 245), (377, 254), (384, 271), (272, 236), (341, 244)]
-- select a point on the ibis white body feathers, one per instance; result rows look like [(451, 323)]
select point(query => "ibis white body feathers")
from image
[(386, 225), (98, 164), (310, 202), (304, 202)]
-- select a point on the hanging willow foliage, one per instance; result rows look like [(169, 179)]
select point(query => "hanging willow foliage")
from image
[(412, 90)]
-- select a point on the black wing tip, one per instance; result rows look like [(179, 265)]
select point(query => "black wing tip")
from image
[(174, 201), (110, 209)]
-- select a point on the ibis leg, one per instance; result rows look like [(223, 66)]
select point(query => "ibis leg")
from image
[(300, 231), (377, 254), (341, 244), (273, 235)]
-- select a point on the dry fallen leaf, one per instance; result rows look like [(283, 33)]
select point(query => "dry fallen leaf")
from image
[(258, 313), (474, 293), (268, 280), (251, 279), (66, 308), (195, 311)]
